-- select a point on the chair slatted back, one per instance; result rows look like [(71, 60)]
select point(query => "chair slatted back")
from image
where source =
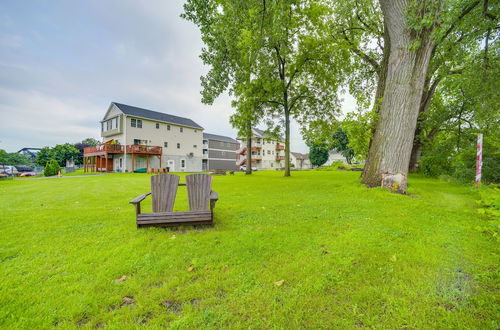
[(163, 191), (199, 187)]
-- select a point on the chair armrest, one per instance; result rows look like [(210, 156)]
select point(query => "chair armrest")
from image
[(139, 199), (214, 197)]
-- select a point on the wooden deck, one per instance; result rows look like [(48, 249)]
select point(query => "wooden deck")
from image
[(96, 159)]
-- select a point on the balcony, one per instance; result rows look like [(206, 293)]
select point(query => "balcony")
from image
[(120, 149), (280, 147), (278, 158)]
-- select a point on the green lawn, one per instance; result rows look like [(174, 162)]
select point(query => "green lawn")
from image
[(349, 256)]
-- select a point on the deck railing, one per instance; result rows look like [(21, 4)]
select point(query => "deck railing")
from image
[(280, 146), (120, 148)]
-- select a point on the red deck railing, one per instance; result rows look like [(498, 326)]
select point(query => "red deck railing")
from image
[(120, 149), (280, 146)]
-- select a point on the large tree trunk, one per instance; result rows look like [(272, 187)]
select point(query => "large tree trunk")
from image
[(287, 143), (389, 155), (379, 93), (249, 148)]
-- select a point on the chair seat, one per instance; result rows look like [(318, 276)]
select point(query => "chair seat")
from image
[(175, 218)]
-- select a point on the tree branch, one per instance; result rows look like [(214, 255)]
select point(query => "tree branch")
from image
[(362, 55)]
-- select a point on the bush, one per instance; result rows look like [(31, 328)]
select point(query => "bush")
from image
[(51, 168)]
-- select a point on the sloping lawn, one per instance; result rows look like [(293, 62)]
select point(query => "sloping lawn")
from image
[(349, 256)]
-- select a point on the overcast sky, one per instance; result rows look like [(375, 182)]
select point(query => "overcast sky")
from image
[(63, 62)]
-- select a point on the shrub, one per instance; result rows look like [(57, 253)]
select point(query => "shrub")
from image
[(51, 168)]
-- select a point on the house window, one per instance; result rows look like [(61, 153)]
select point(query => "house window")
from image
[(139, 141), (178, 145), (121, 162), (102, 127), (133, 122), (116, 122), (168, 127), (183, 163), (165, 144), (139, 123), (157, 125), (196, 131), (272, 165), (195, 146), (181, 129), (269, 152)]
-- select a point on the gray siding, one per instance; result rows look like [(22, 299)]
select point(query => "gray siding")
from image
[(213, 144), (222, 154), (222, 164)]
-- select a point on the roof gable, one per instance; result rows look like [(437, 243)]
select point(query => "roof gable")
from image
[(155, 115)]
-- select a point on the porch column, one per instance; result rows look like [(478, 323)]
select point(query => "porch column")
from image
[(133, 165), (106, 162), (147, 163)]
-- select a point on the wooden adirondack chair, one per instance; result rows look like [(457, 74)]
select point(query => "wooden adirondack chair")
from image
[(163, 192)]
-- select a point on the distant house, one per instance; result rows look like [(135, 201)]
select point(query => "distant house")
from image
[(30, 152), (300, 161), (140, 138), (219, 152), (334, 156)]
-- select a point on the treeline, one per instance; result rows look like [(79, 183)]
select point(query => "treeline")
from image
[(59, 154)]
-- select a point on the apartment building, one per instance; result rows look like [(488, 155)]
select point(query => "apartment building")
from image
[(135, 138), (219, 152), (267, 152)]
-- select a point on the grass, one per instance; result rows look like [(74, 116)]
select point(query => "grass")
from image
[(349, 256)]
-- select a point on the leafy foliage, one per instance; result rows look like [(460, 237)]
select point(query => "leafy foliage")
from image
[(13, 158), (275, 58), (318, 153), (341, 144), (60, 153), (52, 168), (88, 142)]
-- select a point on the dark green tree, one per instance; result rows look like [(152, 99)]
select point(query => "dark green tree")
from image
[(43, 156), (51, 168), (318, 153), (80, 146), (340, 142), (13, 158)]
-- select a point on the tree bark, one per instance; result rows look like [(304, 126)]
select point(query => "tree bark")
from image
[(389, 155), (287, 142), (379, 93), (249, 148)]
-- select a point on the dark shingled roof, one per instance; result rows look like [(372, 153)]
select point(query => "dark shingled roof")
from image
[(155, 115), (209, 136)]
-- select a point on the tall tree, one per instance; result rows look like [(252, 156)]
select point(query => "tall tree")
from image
[(410, 25), (360, 23), (289, 71)]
